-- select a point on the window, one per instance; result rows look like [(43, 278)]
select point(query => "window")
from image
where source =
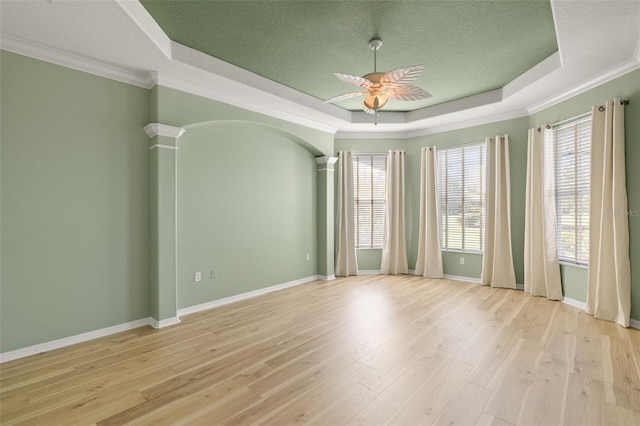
[(369, 177), (461, 196), (572, 157)]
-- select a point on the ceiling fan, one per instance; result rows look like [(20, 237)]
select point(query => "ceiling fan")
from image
[(380, 87)]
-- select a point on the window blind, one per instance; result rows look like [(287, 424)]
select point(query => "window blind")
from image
[(461, 196), (572, 159), (369, 180)]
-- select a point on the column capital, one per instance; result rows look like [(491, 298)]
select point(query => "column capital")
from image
[(325, 159), (158, 129)]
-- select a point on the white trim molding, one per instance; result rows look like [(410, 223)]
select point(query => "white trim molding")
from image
[(158, 129), (75, 62), (368, 272), (325, 159), (163, 323), (326, 277), (244, 296), (72, 340), (575, 303), (461, 278), (160, 146), (596, 81)]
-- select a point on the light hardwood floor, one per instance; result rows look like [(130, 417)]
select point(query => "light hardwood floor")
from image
[(368, 350)]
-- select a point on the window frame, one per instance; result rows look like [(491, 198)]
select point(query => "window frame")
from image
[(443, 171), (579, 258), (375, 203)]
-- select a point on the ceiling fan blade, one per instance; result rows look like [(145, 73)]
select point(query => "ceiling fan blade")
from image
[(407, 93), (345, 96), (367, 109), (401, 76), (353, 79)]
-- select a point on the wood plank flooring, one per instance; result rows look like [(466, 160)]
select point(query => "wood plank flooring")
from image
[(367, 350)]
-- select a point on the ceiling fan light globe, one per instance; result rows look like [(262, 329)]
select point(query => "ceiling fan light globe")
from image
[(371, 103)]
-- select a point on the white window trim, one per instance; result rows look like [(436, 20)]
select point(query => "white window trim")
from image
[(483, 201)]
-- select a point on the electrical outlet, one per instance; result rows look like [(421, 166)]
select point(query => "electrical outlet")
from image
[(462, 260), (308, 256), (197, 277), (214, 274)]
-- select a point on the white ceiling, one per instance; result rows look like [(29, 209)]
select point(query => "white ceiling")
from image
[(597, 40)]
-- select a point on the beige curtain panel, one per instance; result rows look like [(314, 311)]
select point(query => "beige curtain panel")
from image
[(541, 266), (497, 259), (346, 260), (394, 247), (429, 262), (609, 284)]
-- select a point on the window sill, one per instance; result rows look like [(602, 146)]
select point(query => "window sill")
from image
[(574, 265), (461, 251)]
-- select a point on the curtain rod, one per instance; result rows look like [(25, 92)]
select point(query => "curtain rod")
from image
[(370, 153), (457, 145), (579, 116)]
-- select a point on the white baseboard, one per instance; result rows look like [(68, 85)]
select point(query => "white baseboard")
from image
[(72, 340), (575, 303), (460, 278), (79, 338), (582, 305), (368, 271), (243, 296), (163, 323), (326, 277)]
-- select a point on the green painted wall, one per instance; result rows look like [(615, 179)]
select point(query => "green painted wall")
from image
[(627, 87), (246, 208), (75, 197)]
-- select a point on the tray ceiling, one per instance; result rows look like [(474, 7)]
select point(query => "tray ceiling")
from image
[(467, 47)]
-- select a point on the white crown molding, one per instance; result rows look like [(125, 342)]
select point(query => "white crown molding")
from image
[(235, 99), (72, 340), (158, 129), (69, 60), (325, 159), (370, 135), (605, 77), (469, 123), (456, 105), (244, 296)]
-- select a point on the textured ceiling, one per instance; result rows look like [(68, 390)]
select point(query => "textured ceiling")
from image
[(467, 47)]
